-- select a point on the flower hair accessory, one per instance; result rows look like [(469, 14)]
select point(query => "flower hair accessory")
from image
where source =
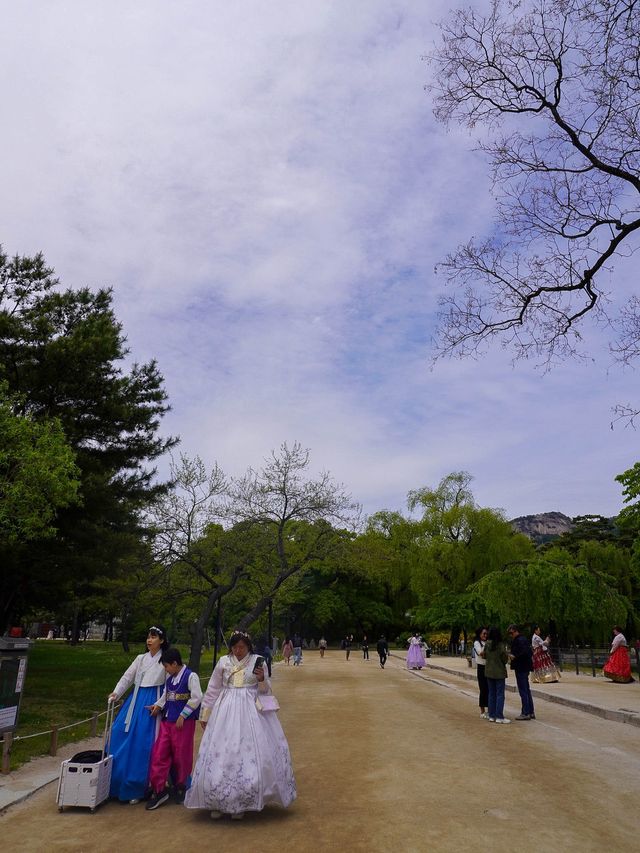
[(244, 634), (155, 630)]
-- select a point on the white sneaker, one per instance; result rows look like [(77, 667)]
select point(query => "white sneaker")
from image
[(503, 720), (484, 716), (491, 719), (215, 815)]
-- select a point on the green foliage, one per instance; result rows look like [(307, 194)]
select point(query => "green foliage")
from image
[(38, 475), (458, 541), (578, 599), (61, 356), (630, 515)]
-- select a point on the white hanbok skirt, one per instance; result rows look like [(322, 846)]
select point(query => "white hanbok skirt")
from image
[(244, 762)]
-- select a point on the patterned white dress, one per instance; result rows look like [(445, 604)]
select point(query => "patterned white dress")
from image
[(243, 763)]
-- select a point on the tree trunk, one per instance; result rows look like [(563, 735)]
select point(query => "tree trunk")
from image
[(198, 628), (75, 627), (124, 631), (256, 611)]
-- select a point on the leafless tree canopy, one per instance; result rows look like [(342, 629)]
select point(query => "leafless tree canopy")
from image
[(556, 83)]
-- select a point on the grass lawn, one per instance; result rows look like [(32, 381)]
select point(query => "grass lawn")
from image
[(68, 683)]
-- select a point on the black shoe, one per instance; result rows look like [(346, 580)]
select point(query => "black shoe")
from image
[(157, 800), (179, 794)]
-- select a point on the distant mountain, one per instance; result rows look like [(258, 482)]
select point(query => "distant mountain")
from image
[(543, 527)]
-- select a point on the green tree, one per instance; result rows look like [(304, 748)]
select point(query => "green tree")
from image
[(62, 354), (582, 602), (456, 544), (38, 475), (295, 511)]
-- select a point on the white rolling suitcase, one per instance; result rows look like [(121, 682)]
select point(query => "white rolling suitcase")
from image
[(85, 779)]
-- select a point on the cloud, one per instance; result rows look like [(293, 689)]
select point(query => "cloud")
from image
[(265, 189)]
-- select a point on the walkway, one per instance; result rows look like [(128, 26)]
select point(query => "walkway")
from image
[(387, 762)]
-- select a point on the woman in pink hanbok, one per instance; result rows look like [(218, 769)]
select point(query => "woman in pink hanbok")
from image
[(415, 656), (244, 762)]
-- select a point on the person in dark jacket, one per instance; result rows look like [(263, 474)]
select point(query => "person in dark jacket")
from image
[(521, 658), (382, 647)]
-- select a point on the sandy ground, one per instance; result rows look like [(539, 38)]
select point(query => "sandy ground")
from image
[(386, 761)]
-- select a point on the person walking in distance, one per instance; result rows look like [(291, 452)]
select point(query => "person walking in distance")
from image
[(287, 650), (347, 643), (297, 649), (365, 648), (618, 666), (521, 658), (382, 647), (322, 645)]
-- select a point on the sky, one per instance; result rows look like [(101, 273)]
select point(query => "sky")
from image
[(265, 189)]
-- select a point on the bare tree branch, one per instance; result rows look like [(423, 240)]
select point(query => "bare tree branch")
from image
[(568, 190)]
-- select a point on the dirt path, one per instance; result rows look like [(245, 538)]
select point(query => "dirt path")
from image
[(389, 763)]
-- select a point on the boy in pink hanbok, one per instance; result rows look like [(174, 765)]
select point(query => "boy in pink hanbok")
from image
[(173, 749)]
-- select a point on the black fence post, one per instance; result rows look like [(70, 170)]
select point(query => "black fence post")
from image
[(593, 662), (575, 653)]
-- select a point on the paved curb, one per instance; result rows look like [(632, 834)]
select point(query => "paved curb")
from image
[(588, 708)]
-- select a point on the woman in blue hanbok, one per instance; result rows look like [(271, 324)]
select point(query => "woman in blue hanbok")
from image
[(135, 730)]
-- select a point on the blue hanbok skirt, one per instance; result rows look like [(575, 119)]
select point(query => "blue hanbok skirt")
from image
[(132, 750)]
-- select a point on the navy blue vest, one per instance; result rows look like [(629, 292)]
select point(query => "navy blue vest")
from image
[(177, 697)]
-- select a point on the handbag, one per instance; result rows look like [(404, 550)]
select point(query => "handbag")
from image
[(267, 702)]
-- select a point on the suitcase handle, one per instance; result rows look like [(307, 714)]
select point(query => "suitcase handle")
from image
[(108, 725)]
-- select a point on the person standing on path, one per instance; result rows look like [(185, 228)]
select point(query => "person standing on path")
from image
[(618, 667), (544, 669), (347, 643), (496, 657), (244, 762), (297, 649), (415, 657), (173, 750), (522, 664), (322, 645), (478, 656), (365, 648), (287, 650), (382, 647), (134, 730)]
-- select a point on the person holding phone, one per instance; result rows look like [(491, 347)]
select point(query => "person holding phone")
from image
[(243, 763)]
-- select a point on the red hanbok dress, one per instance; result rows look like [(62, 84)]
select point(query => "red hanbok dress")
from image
[(544, 669), (618, 667)]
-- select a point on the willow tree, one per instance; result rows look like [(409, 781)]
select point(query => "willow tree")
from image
[(456, 542), (580, 602)]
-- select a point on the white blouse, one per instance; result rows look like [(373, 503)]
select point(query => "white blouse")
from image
[(538, 641), (478, 647), (145, 671), (231, 673), (618, 640)]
